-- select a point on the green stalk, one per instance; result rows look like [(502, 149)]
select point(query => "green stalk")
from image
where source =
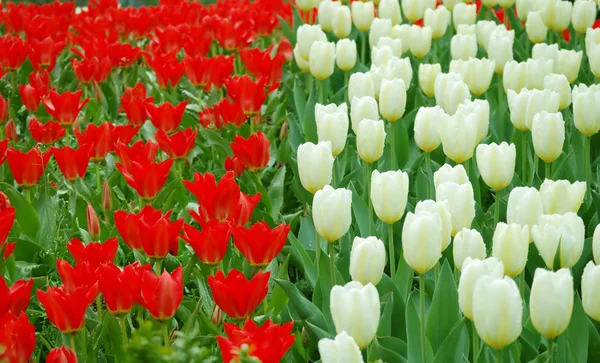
[(523, 156), (548, 170), (27, 194), (500, 103), (190, 267), (497, 209), (588, 166), (436, 272), (475, 343), (499, 357), (392, 146), (332, 262), (522, 285), (98, 180), (317, 251), (124, 330), (367, 168), (431, 185), (550, 351), (158, 267), (99, 306), (346, 78), (72, 342), (166, 334), (466, 166), (363, 49), (320, 90), (535, 169), (392, 252), (422, 320)]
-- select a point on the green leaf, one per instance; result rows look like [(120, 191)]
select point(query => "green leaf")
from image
[(413, 332), (276, 192), (299, 99), (27, 217), (455, 346), (385, 322), (398, 327), (310, 124), (302, 257), (278, 298), (444, 310), (401, 143), (577, 333), (361, 212), (390, 349), (306, 310)]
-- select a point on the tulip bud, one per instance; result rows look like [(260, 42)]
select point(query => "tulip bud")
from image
[(341, 22), (548, 134), (422, 241), (557, 14), (450, 91), (10, 131), (427, 75), (497, 311), (524, 206), (315, 165), (472, 271), (437, 19), (363, 15), (305, 5), (341, 349), (382, 55), (390, 9), (525, 105), (559, 84), (392, 99), (468, 243), (545, 51), (590, 294), (489, 3), (427, 135), (93, 224), (402, 32), (332, 213), (345, 54), (536, 29), (506, 4), (360, 85), (449, 174), (593, 51), (463, 14), (500, 48), (394, 68), (332, 125), (482, 109), (107, 203), (551, 317), (322, 59), (379, 28), (463, 46), (483, 31), (420, 40), (585, 111), (554, 231), (302, 63), (496, 164), (441, 209), (367, 260), (389, 193), (524, 8), (415, 9), (370, 140), (306, 36), (363, 108), (596, 244), (217, 316), (560, 196), (511, 246), (465, 29), (450, 4), (583, 15), (477, 73), (394, 44), (359, 319), (459, 135), (325, 15), (461, 200)]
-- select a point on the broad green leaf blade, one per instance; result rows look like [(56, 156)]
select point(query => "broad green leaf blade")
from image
[(444, 310), (27, 217), (455, 346), (306, 310)]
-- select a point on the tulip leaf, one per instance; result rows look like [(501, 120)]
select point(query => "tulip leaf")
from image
[(361, 212), (575, 338), (305, 309), (401, 142), (385, 322), (299, 99), (444, 310), (300, 254), (26, 215), (295, 137), (594, 343), (413, 331), (278, 298), (316, 332), (310, 124), (398, 328), (390, 349), (456, 344), (276, 192)]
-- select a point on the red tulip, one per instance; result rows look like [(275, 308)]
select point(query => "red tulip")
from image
[(66, 310), (3, 109), (44, 52), (134, 102), (7, 219), (73, 277), (268, 343), (93, 224), (10, 131), (250, 95), (197, 45), (235, 165), (179, 144), (121, 288), (10, 247), (27, 168), (162, 295), (124, 55), (92, 69), (16, 298), (211, 243), (47, 133), (95, 253), (61, 355), (169, 38), (231, 113), (235, 295), (148, 178), (64, 107), (31, 96), (259, 243), (17, 338), (99, 137), (167, 116), (209, 117), (208, 72), (234, 35), (260, 64), (285, 49), (122, 133), (141, 152), (14, 52), (253, 152), (72, 163), (106, 202), (167, 68)]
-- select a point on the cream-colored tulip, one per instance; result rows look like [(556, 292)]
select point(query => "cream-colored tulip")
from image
[(441, 208), (420, 40), (363, 108), (341, 22), (389, 194), (360, 85), (422, 241), (583, 15), (332, 125), (500, 48), (524, 8), (559, 84), (591, 36), (511, 246), (315, 165), (342, 349), (557, 14), (325, 15), (524, 206), (379, 28), (496, 164), (545, 51), (551, 301), (363, 15), (415, 9), (402, 32), (370, 140), (586, 110), (367, 260), (427, 75), (482, 109), (596, 244), (450, 174), (497, 311), (463, 14), (463, 46), (355, 309), (390, 9), (461, 200), (302, 63), (394, 68), (306, 5), (515, 76), (465, 29), (548, 134), (590, 293), (345, 54), (450, 91), (427, 134), (306, 35), (472, 270), (593, 52), (450, 4), (566, 230), (459, 135), (506, 4), (489, 3), (392, 99), (560, 196), (332, 212), (537, 70), (322, 59), (438, 20), (394, 44), (468, 243), (381, 55), (483, 31), (526, 104), (536, 29), (477, 73)]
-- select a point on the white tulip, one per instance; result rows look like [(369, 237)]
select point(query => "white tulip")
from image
[(370, 140), (342, 349), (427, 134), (463, 14), (472, 271), (496, 164), (392, 99), (548, 135), (459, 134), (427, 75), (332, 125), (511, 246), (441, 209), (590, 293), (463, 46), (363, 15), (389, 194), (524, 206), (422, 241), (363, 108), (390, 9), (468, 243), (360, 85), (450, 174), (341, 22), (438, 20), (367, 260), (551, 301), (315, 165), (379, 28), (566, 230), (345, 54), (560, 196), (461, 200), (325, 15)]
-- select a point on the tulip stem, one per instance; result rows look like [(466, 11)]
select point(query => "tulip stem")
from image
[(27, 194), (332, 262), (363, 48), (72, 342), (550, 351), (124, 330), (535, 169), (499, 356), (99, 307), (320, 91), (523, 156), (190, 267), (466, 166), (158, 267), (422, 309), (98, 181), (522, 284), (588, 166), (431, 184), (548, 170), (346, 78), (475, 343), (368, 190), (166, 334), (500, 105), (497, 209), (392, 146), (392, 252), (317, 251)]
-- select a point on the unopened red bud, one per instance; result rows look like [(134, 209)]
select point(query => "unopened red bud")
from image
[(107, 203), (10, 131), (93, 223)]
